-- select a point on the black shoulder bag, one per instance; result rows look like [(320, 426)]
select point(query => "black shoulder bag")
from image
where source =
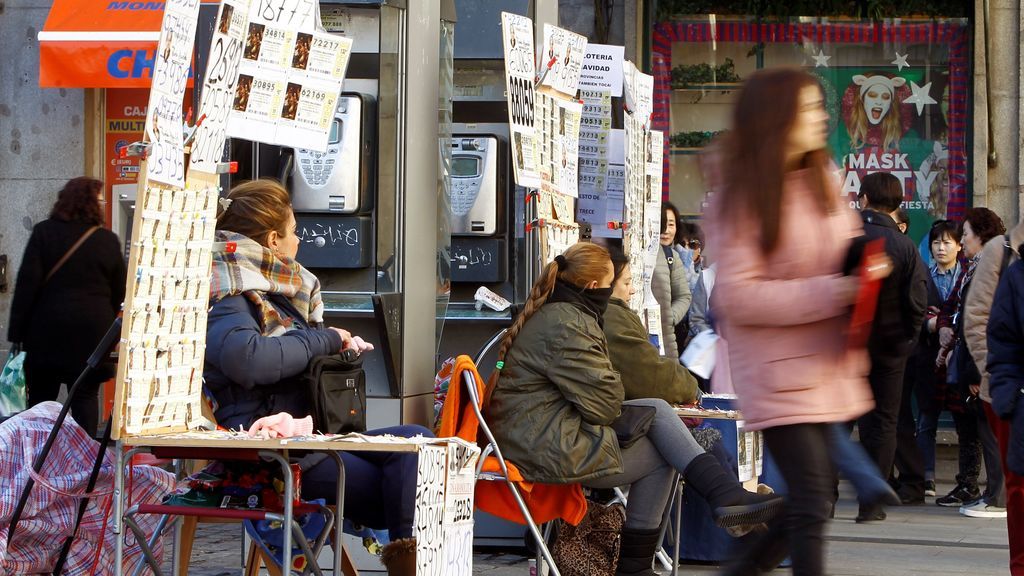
[(337, 387)]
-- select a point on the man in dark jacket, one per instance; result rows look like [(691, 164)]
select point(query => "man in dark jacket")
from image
[(902, 303), (1005, 334)]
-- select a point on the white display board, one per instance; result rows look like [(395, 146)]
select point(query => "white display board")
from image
[(290, 76), (443, 518), (520, 74)]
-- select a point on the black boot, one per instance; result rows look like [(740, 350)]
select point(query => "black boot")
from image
[(731, 505), (636, 555)]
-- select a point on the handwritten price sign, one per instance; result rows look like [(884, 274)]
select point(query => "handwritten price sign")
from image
[(219, 85), (170, 74)]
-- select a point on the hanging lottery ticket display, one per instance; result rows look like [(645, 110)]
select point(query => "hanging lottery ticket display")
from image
[(642, 205), (170, 75), (290, 76), (560, 115), (219, 84), (595, 132), (520, 75)]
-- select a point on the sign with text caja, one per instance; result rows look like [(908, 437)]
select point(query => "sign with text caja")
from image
[(602, 69)]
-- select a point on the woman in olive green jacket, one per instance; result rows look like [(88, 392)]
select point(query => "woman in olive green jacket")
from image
[(554, 405), (643, 372)]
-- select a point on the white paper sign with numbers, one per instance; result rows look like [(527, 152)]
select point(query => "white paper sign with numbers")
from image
[(290, 76), (166, 158), (219, 85), (520, 73)]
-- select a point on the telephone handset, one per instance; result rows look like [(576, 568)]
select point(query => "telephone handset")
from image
[(339, 180)]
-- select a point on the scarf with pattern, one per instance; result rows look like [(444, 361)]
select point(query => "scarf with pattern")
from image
[(243, 266)]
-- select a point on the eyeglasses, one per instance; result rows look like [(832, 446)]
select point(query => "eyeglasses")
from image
[(693, 244)]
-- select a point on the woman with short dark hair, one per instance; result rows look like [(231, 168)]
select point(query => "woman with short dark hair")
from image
[(71, 283)]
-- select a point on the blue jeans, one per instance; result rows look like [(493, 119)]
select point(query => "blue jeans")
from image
[(927, 428), (380, 487), (854, 463)]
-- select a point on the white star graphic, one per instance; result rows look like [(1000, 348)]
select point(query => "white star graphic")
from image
[(821, 60), (900, 62), (920, 96)]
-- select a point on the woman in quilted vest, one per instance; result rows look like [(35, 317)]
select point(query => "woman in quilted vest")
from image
[(556, 408)]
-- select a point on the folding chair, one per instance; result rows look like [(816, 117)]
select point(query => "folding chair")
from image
[(310, 550), (491, 450)]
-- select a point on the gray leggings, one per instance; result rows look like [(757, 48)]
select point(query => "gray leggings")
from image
[(650, 464)]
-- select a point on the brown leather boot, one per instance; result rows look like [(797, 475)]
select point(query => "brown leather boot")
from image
[(399, 557)]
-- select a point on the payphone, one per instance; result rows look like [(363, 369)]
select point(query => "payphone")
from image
[(333, 191), (477, 197), (339, 180), (474, 189)]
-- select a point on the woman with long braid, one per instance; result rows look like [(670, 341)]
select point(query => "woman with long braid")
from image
[(555, 400)]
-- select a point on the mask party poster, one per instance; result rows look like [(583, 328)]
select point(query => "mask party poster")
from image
[(893, 120)]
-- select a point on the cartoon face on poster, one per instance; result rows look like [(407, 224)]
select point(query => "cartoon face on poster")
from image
[(892, 120)]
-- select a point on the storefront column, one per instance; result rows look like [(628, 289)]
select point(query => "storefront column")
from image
[(418, 209), (1002, 190)]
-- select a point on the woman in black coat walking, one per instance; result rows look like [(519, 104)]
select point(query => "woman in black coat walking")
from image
[(69, 290)]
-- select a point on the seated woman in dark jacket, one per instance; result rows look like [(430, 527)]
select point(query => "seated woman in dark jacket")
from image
[(263, 330), (555, 400), (644, 373)]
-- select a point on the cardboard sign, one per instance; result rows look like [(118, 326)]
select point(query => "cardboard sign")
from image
[(520, 73)]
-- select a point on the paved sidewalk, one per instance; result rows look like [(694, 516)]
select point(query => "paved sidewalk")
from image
[(926, 540)]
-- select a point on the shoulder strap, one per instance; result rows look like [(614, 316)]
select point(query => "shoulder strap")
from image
[(1007, 252), (68, 254)]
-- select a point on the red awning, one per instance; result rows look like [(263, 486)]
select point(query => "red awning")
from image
[(99, 44)]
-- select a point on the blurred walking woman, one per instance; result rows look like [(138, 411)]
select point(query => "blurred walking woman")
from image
[(782, 235), (70, 287)]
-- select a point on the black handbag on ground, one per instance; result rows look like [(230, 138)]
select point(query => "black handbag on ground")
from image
[(337, 388), (633, 423)]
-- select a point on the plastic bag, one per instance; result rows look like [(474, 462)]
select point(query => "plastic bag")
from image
[(12, 384), (699, 355)]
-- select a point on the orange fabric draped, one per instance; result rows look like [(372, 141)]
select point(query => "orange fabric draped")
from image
[(545, 501)]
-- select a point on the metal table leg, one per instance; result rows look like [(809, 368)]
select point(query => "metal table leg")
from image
[(339, 514), (289, 512)]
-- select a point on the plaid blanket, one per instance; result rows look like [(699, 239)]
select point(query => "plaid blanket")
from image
[(243, 266), (51, 510)]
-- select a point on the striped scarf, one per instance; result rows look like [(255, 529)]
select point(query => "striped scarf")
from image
[(243, 266)]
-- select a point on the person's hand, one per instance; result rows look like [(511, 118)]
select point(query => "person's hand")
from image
[(946, 335), (975, 389), (942, 359), (932, 325), (350, 342)]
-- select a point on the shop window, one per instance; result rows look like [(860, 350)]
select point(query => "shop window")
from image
[(897, 92)]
